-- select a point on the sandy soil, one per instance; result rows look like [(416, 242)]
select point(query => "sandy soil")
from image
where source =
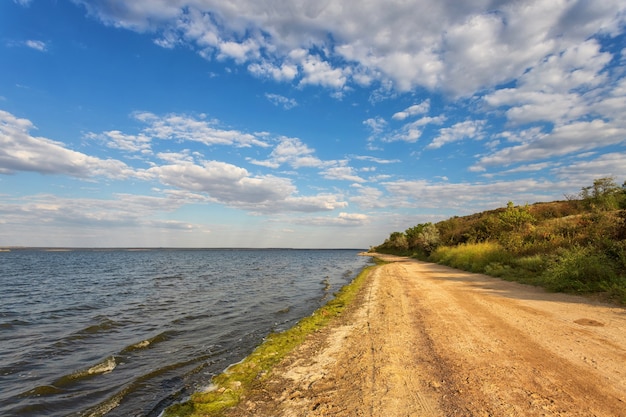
[(426, 340)]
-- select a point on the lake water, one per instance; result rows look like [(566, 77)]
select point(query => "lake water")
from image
[(126, 333)]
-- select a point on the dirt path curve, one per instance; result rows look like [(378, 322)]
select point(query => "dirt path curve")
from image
[(426, 340)]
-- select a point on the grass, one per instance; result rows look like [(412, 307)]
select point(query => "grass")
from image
[(474, 257), (230, 386), (577, 269)]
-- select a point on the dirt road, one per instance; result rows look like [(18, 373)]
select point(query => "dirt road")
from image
[(426, 340)]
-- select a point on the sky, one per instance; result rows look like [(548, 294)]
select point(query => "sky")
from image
[(293, 123)]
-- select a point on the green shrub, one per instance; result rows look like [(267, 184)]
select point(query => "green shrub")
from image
[(533, 263), (580, 269)]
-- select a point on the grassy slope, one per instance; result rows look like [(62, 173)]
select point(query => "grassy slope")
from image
[(570, 246)]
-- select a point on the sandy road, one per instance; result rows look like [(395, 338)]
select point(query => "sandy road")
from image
[(426, 340)]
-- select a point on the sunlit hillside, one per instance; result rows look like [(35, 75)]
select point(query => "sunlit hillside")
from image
[(577, 245)]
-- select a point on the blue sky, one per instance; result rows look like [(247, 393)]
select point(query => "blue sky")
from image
[(204, 123)]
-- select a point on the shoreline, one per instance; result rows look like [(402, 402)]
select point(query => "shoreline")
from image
[(425, 339), (227, 389)]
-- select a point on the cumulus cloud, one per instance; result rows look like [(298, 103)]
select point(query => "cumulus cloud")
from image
[(433, 44), (370, 198), (558, 89), (234, 186), (413, 110), (196, 129), (584, 172), (179, 127), (292, 152), (470, 129), (342, 173), (118, 140), (20, 151), (563, 140), (224, 182)]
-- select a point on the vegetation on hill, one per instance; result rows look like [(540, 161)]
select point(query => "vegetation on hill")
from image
[(577, 245)]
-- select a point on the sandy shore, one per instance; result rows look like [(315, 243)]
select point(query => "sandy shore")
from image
[(426, 340)]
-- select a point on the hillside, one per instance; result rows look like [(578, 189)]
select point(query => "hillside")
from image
[(577, 245)]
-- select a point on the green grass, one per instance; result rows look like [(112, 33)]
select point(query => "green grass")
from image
[(578, 269), (474, 257), (235, 381)]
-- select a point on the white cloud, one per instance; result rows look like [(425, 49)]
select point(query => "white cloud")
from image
[(376, 124), (128, 143), (342, 173), (184, 127), (37, 45), (224, 182), (264, 69), (293, 152), (433, 44), (369, 197), (416, 109), (240, 52), (343, 219), (584, 172), (19, 151), (559, 89), (318, 72), (470, 129), (122, 220), (470, 197), (234, 186), (412, 131), (376, 160), (278, 100), (563, 140)]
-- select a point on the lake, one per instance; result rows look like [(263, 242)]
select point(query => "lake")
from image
[(129, 332)]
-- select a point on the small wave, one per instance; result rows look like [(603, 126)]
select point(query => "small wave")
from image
[(108, 365), (137, 346), (161, 337), (104, 326), (104, 367), (14, 323), (43, 390), (191, 317)]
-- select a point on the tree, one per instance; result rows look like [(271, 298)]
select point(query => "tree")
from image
[(604, 194), (429, 238), (514, 218), (397, 240)]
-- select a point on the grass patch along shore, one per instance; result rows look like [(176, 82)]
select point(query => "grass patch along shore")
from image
[(229, 387)]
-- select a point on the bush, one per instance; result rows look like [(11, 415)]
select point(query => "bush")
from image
[(580, 269)]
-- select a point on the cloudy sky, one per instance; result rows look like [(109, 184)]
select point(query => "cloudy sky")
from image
[(293, 123)]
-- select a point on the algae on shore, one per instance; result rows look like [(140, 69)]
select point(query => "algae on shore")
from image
[(230, 386)]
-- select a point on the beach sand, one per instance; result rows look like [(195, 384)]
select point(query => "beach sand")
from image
[(427, 340)]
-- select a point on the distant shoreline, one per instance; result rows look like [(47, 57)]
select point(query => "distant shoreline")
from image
[(139, 249)]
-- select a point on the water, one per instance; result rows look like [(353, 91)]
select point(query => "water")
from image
[(126, 333)]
